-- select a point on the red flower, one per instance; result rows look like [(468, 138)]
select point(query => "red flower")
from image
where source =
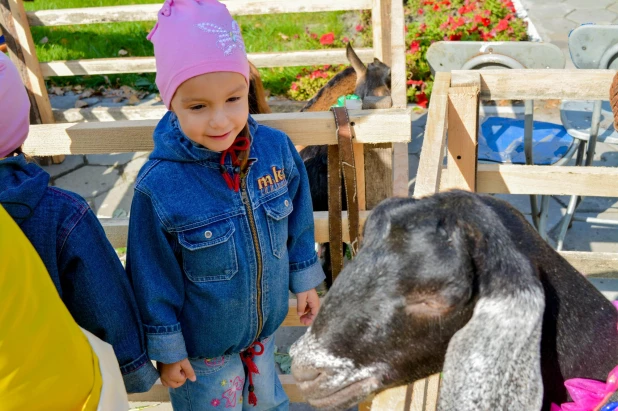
[(473, 29), (345, 40), (359, 27), (327, 66), (436, 7), (294, 86), (415, 83), (327, 38), (483, 20), (421, 100), (405, 29), (420, 11), (415, 46), (487, 13), (314, 36), (486, 36), (454, 37), (422, 27), (427, 2), (502, 25), (446, 3)]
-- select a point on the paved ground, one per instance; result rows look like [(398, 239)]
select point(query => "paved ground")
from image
[(106, 181)]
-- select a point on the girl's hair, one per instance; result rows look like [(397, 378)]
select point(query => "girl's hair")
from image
[(257, 96), (243, 156)]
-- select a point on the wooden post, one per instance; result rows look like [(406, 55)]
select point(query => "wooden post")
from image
[(463, 129), (379, 157), (14, 25)]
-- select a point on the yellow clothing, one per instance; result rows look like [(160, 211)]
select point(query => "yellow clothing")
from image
[(46, 362)]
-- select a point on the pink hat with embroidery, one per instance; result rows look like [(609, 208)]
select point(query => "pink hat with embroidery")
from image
[(194, 37), (14, 108)]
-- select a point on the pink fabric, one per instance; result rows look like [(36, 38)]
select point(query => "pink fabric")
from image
[(14, 108), (587, 394), (194, 37)]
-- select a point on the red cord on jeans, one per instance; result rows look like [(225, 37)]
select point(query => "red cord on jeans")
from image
[(247, 359), (233, 180)]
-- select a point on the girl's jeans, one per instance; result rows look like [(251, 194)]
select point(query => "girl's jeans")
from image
[(222, 384)]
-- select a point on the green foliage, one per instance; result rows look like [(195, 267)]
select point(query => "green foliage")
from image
[(309, 81)]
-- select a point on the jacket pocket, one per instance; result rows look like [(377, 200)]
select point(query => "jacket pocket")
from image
[(209, 252), (278, 209)]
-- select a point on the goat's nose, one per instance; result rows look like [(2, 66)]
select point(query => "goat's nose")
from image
[(302, 374)]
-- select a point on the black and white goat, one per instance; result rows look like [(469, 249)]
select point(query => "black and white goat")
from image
[(459, 283)]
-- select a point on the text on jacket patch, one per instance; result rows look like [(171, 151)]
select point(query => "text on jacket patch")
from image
[(266, 181)]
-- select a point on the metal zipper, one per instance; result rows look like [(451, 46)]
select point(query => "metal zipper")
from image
[(256, 243)]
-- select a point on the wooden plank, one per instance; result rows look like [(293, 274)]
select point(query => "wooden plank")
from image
[(116, 229), (147, 64), (417, 402), (14, 25), (463, 108), (370, 126), (397, 50), (394, 399), (544, 84), (148, 12), (593, 264), (548, 180), (401, 171), (378, 172), (359, 163), (432, 154), (432, 393)]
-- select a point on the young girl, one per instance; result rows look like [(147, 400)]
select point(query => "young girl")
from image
[(70, 240), (221, 222)]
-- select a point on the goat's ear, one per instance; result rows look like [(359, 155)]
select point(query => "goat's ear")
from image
[(493, 362), (356, 63)]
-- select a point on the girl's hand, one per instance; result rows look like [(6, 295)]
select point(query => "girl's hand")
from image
[(307, 306), (174, 375)]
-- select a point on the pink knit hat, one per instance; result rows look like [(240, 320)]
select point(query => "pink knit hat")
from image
[(194, 37), (14, 108)]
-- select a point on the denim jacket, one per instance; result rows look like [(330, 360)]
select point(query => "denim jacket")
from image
[(211, 268), (81, 263)]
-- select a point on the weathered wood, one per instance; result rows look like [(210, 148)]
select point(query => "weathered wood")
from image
[(432, 154), (370, 126), (116, 229), (395, 399), (121, 65), (549, 180), (544, 84), (359, 162), (148, 12), (462, 135), (593, 264), (432, 393), (378, 172), (14, 26)]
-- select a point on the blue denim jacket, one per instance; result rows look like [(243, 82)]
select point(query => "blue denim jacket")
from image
[(211, 268), (81, 263)]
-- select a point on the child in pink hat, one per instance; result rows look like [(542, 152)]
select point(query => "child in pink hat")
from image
[(221, 226)]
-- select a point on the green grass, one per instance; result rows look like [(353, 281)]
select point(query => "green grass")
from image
[(280, 32)]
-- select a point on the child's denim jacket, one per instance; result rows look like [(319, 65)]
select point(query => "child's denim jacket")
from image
[(211, 267), (81, 262)]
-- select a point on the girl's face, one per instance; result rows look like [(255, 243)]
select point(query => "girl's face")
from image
[(212, 108)]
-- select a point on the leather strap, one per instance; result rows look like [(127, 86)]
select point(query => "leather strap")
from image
[(341, 161)]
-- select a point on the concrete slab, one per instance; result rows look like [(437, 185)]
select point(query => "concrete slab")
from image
[(587, 4), (598, 16), (70, 163), (130, 171), (613, 7), (115, 203), (90, 181), (116, 159)]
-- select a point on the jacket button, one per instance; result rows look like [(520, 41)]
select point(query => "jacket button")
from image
[(287, 203), (208, 234)]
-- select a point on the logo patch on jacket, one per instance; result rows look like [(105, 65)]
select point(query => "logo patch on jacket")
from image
[(269, 183)]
